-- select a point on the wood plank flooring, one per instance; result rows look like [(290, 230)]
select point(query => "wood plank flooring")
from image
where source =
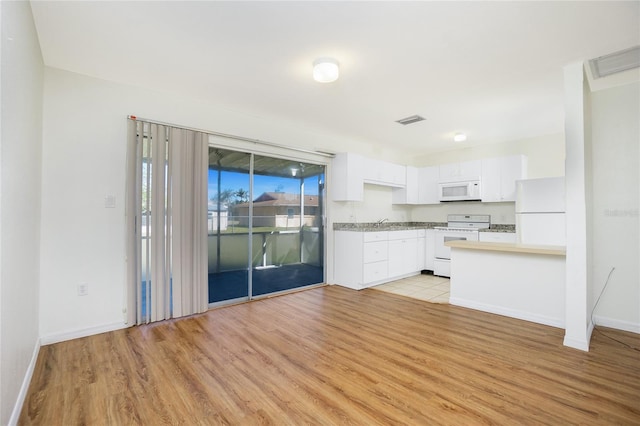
[(336, 356)]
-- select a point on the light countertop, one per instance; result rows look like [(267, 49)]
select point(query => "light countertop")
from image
[(508, 247), (400, 226)]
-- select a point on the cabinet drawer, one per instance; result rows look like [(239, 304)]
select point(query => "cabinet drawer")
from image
[(375, 251), (422, 233), (375, 236), (403, 235), (375, 272)]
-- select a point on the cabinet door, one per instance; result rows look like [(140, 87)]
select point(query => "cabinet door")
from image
[(499, 177), (455, 172), (383, 173), (421, 252), (403, 257), (511, 169), (396, 258), (491, 184), (373, 272), (410, 250), (430, 249), (410, 193), (347, 180), (374, 251), (428, 185), (449, 172), (470, 170)]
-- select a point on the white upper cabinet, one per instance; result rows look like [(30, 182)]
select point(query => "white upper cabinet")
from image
[(408, 194), (428, 185), (350, 172), (499, 177), (419, 185), (347, 177), (421, 188), (382, 173), (457, 172)]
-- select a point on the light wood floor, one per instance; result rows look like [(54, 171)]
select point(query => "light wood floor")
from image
[(336, 356)]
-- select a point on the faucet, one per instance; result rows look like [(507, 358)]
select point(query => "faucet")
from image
[(380, 222)]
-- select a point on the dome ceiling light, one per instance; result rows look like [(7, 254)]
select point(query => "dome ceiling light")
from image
[(325, 70), (459, 137)]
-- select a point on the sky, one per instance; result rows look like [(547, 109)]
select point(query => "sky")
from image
[(235, 181)]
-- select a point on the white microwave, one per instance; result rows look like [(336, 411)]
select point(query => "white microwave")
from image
[(459, 191)]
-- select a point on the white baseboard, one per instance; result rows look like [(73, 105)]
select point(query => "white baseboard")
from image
[(507, 312), (582, 345), (617, 324), (82, 332), (22, 394)]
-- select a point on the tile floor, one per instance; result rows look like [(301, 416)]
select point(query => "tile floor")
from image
[(430, 288)]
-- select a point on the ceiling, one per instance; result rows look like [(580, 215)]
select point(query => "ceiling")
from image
[(490, 69)]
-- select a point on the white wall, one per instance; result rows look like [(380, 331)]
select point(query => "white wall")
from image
[(501, 213), (20, 189), (616, 136), (84, 161), (376, 205)]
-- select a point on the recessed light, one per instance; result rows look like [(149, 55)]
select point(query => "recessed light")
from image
[(459, 137)]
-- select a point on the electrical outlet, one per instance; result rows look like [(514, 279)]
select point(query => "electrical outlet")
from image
[(110, 202), (83, 289)]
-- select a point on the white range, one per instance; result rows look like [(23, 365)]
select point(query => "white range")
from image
[(459, 227)]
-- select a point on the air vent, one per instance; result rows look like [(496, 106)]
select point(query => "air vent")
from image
[(410, 120), (616, 62)]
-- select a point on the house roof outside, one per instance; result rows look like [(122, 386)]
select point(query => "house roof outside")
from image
[(281, 199)]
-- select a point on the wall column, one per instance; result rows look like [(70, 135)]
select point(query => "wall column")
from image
[(578, 325)]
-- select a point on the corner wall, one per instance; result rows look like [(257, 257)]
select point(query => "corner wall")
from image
[(20, 189)]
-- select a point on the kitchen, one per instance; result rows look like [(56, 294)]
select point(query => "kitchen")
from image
[(453, 185), (545, 158)]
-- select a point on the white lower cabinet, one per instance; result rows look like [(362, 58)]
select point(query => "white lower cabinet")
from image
[(422, 247), (375, 272), (430, 249), (364, 259), (403, 252)]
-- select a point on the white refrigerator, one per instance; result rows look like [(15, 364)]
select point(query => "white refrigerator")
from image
[(540, 211)]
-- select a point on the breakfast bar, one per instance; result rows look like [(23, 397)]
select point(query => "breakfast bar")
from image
[(515, 280)]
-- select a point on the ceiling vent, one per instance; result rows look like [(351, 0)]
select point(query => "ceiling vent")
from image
[(616, 62), (410, 120)]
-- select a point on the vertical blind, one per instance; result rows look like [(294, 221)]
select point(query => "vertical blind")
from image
[(166, 219)]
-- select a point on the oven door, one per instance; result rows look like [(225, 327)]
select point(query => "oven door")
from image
[(442, 236)]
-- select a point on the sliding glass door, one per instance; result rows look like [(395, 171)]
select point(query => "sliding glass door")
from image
[(228, 240), (266, 231)]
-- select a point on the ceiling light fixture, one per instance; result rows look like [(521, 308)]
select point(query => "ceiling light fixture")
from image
[(459, 137), (325, 70)]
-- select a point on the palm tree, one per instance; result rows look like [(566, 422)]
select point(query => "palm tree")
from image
[(242, 195)]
